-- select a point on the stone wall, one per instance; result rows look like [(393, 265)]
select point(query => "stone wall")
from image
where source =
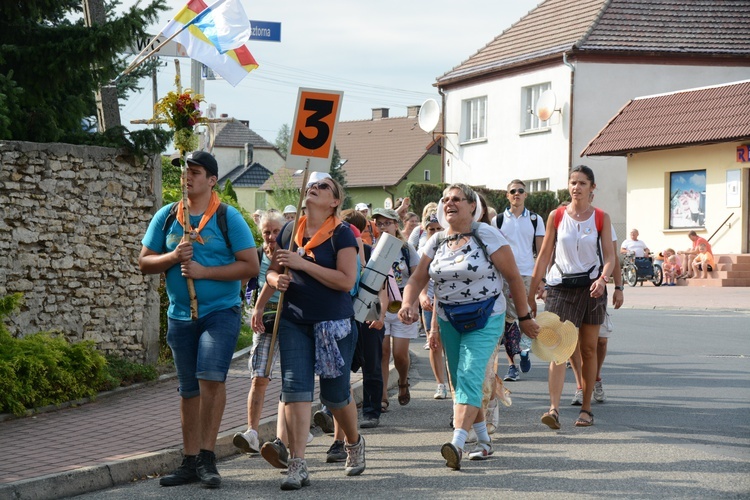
[(71, 223)]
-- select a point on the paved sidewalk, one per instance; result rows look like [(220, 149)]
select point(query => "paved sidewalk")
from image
[(134, 433)]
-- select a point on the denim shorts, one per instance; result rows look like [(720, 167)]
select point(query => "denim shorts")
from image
[(297, 349), (203, 349)]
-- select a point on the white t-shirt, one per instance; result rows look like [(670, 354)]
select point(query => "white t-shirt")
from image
[(637, 246), (520, 233), (464, 275), (576, 249)]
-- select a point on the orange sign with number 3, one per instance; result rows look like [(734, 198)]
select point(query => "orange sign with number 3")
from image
[(315, 123)]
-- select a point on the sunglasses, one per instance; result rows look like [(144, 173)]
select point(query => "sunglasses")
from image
[(320, 185), (385, 223), (454, 199), (519, 191), (433, 229)]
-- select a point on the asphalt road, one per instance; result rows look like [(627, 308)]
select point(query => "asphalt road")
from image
[(675, 425)]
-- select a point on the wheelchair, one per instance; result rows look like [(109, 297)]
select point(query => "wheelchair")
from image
[(639, 269)]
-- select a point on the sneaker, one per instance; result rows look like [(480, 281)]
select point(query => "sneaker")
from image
[(512, 374), (324, 420), (310, 437), (599, 392), (492, 416), (369, 422), (481, 451), (577, 398), (205, 467), (452, 456), (336, 453), (525, 361), (275, 454), (247, 441), (355, 457), (184, 474), (296, 475), (426, 346), (441, 392)]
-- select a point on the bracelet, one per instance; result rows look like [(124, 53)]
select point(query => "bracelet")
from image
[(524, 318)]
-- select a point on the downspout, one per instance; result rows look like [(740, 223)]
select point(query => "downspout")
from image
[(442, 136), (570, 113)]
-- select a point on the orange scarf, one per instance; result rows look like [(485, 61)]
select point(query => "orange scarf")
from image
[(213, 205), (324, 233)]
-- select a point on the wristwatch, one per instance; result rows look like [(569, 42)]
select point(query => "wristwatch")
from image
[(524, 318), (620, 287)]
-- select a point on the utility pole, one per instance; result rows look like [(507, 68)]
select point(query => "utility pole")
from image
[(107, 107)]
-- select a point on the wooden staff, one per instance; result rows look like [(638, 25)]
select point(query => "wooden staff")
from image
[(302, 191)]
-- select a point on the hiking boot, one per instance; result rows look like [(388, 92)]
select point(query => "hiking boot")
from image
[(275, 454), (512, 374), (369, 422), (482, 451), (441, 392), (355, 457), (452, 456), (184, 474), (525, 361), (336, 453), (577, 398), (599, 392), (324, 420), (205, 466), (296, 475), (247, 441)]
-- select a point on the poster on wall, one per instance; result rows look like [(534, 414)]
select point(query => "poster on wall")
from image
[(687, 199)]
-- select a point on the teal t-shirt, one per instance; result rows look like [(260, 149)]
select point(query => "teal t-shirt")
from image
[(212, 295)]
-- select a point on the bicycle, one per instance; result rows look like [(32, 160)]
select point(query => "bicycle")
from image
[(640, 269)]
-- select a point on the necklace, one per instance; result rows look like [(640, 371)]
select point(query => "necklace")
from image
[(582, 213)]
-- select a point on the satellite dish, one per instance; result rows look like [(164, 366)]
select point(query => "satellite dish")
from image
[(429, 114), (545, 106)]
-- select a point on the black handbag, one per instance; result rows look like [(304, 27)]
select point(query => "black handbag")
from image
[(466, 318), (576, 280)]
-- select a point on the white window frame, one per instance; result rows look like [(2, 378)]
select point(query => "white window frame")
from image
[(427, 176), (474, 119), (529, 97), (536, 185)]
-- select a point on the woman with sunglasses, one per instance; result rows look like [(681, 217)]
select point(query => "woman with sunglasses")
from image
[(316, 331), (457, 262), (397, 334)]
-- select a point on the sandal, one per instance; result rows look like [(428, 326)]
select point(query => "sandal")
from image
[(384, 406), (551, 419), (403, 399), (585, 423)]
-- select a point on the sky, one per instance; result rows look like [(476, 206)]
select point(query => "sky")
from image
[(384, 54)]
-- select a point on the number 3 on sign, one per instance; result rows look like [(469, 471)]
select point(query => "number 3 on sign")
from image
[(315, 123)]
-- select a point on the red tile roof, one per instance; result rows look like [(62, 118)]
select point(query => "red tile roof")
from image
[(677, 119), (706, 28)]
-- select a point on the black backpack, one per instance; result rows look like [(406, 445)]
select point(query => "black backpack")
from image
[(221, 220), (499, 218)]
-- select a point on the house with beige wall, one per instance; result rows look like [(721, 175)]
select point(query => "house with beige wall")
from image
[(688, 169)]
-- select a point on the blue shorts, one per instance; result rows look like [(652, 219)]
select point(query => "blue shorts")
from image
[(468, 355), (297, 349), (203, 349)]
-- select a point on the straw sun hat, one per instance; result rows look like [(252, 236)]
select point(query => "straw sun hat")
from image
[(556, 340)]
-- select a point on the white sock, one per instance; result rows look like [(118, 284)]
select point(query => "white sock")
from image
[(481, 430), (459, 438)]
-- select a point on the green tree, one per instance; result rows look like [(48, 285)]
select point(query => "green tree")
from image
[(339, 174), (51, 64), (282, 140)]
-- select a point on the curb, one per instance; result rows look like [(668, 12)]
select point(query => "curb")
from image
[(110, 474)]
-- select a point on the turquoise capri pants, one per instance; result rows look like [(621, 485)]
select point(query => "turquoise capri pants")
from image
[(468, 355)]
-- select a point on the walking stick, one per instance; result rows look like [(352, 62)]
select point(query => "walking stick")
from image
[(305, 176)]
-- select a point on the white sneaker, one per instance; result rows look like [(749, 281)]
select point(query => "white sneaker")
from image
[(441, 392), (599, 392), (247, 441), (355, 457), (310, 437), (492, 416), (577, 398), (426, 346)]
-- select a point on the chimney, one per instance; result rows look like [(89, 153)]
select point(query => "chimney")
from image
[(378, 113), (412, 111), (224, 115)]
